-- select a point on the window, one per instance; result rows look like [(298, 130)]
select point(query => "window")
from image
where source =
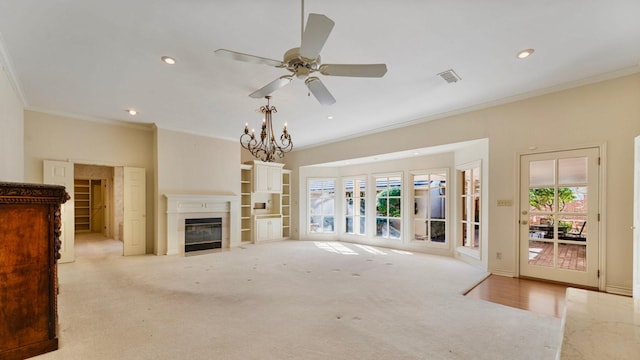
[(388, 206), (354, 207), (429, 207), (322, 206), (470, 207)]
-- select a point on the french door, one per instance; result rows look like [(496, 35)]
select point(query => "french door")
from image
[(559, 220)]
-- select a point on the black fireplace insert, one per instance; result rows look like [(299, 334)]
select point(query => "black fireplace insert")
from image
[(202, 234)]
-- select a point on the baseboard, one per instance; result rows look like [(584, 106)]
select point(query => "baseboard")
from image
[(503, 273), (619, 290)]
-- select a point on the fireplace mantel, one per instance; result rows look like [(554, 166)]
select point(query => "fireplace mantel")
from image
[(185, 206)]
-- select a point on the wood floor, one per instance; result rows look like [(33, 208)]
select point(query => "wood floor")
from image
[(531, 295)]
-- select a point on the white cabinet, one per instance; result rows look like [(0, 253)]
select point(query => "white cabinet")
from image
[(269, 228), (265, 202), (267, 177)]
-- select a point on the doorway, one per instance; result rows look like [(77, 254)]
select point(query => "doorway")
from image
[(91, 205), (559, 216), (96, 210)]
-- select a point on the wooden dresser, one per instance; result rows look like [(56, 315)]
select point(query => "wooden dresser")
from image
[(29, 248)]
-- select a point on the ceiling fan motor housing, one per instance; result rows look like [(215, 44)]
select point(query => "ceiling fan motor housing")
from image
[(300, 66)]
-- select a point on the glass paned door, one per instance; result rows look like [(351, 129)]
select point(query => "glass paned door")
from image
[(559, 216)]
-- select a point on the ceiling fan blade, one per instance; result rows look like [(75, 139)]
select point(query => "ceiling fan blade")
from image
[(271, 87), (318, 90), (355, 70), (315, 35), (233, 55)]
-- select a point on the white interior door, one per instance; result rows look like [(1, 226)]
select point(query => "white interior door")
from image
[(559, 205), (61, 173), (134, 222)]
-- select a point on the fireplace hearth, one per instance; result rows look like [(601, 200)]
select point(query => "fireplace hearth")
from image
[(202, 234)]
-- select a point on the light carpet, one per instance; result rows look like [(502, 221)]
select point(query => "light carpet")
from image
[(287, 300)]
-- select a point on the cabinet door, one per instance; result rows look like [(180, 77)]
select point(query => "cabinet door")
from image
[(261, 178), (262, 230), (267, 178), (275, 229), (26, 290), (275, 179)]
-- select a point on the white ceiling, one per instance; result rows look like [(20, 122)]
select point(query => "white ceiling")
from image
[(94, 59)]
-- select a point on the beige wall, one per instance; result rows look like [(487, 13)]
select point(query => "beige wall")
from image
[(55, 137), (12, 133), (192, 164), (602, 113)]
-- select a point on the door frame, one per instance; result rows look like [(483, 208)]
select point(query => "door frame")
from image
[(602, 228)]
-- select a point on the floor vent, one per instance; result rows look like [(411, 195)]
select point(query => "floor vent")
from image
[(450, 76)]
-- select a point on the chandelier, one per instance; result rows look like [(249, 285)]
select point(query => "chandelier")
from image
[(267, 148)]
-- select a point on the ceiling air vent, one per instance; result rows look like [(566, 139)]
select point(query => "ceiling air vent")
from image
[(450, 76)]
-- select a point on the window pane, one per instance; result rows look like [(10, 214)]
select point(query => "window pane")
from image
[(362, 226), (314, 223), (349, 225), (362, 206), (541, 253), (476, 180), (571, 171), (541, 199), (572, 257), (328, 224), (395, 183), (437, 231), (315, 207), (465, 208), (465, 236), (573, 199), (573, 227), (382, 227), (381, 207), (394, 207), (437, 208), (349, 207), (328, 206), (542, 172), (466, 182), (394, 228), (476, 236), (476, 209), (420, 229)]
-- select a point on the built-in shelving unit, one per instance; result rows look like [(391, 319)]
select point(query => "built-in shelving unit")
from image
[(286, 203), (82, 202), (246, 235), (265, 202)]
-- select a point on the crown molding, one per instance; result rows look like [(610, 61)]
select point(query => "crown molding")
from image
[(14, 80), (62, 114)]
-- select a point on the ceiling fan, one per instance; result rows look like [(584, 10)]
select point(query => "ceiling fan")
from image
[(304, 61)]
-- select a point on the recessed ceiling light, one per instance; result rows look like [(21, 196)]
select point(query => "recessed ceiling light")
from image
[(330, 117), (524, 53), (168, 60), (131, 112)]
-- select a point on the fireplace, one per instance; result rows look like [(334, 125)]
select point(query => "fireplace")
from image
[(183, 209), (202, 234)]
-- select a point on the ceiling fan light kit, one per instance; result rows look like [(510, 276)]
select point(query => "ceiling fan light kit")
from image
[(305, 60)]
